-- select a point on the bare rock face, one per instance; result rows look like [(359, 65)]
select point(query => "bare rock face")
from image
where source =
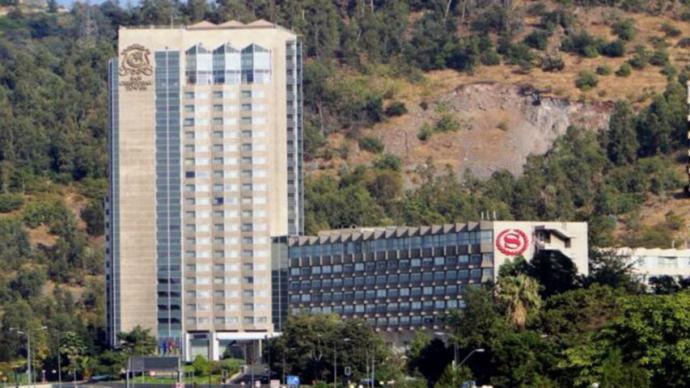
[(501, 125)]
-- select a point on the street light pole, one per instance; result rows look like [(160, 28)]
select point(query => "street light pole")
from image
[(335, 361), (28, 350), (478, 350), (59, 361)]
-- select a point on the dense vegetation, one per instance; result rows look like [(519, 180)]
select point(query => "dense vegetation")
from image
[(532, 332), (53, 135)]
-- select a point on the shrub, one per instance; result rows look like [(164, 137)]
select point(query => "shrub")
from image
[(586, 80), (537, 9), (538, 39), (659, 58), (425, 132), (669, 71), (396, 108), (658, 42), (624, 29), (447, 123), (559, 17), (640, 59), (92, 215), (503, 125), (615, 48), (490, 58), (10, 202), (44, 212), (424, 105), (670, 30), (552, 63), (371, 144), (515, 54), (624, 70), (388, 162), (603, 70), (683, 43), (582, 44)]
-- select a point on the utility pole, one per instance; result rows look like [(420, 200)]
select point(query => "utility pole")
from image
[(28, 350), (59, 361)]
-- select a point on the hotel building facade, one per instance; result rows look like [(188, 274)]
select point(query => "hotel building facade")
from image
[(402, 279), (648, 264), (205, 168)]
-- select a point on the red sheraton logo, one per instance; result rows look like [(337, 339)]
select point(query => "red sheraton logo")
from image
[(512, 242)]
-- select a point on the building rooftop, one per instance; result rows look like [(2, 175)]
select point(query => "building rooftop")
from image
[(660, 252), (207, 25)]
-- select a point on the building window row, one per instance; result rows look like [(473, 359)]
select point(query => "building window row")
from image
[(386, 265), (394, 244), (228, 65)]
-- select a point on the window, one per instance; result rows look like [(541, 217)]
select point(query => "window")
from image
[(217, 94), (246, 94)]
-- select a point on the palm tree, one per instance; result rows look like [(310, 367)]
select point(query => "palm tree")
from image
[(520, 294)]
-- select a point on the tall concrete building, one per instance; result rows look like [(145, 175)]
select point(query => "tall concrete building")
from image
[(405, 279), (205, 168)]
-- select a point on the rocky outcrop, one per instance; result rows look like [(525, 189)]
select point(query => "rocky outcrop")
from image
[(501, 126)]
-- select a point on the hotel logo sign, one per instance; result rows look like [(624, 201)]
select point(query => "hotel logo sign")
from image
[(135, 68), (512, 242)]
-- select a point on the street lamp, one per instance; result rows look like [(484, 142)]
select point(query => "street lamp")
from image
[(28, 351), (478, 350), (335, 361)]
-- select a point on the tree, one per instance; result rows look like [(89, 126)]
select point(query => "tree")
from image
[(29, 282), (664, 285), (522, 359), (432, 360), (654, 331), (574, 316), (308, 342), (202, 367), (453, 377), (475, 325), (554, 271), (616, 374), (73, 347), (608, 268), (520, 295), (138, 342), (622, 140)]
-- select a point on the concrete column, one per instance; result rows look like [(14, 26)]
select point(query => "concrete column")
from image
[(214, 346), (187, 347)]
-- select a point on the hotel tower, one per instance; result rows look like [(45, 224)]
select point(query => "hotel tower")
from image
[(205, 168)]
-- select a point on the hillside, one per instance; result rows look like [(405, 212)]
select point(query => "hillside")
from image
[(558, 110)]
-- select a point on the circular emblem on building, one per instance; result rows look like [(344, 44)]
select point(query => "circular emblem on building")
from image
[(135, 61), (512, 242)]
